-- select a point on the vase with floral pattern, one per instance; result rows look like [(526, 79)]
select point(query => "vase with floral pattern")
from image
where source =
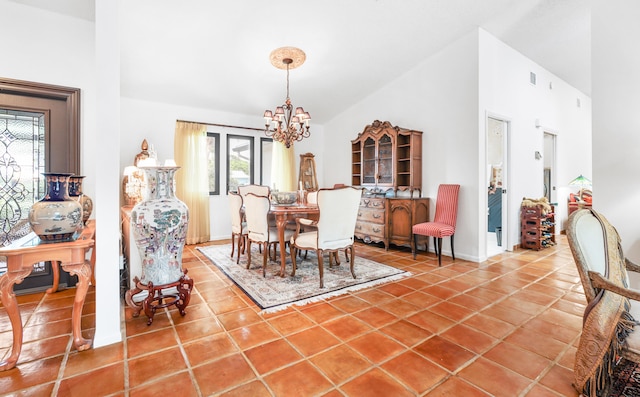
[(76, 193), (159, 224), (56, 217)]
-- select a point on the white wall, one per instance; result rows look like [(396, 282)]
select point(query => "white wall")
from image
[(107, 269), (53, 49), (61, 51), (440, 98), (505, 90), (616, 117), (156, 122), (448, 97)]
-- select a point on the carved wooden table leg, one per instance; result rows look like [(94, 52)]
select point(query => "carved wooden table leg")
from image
[(281, 223), (83, 271), (10, 303), (55, 267)]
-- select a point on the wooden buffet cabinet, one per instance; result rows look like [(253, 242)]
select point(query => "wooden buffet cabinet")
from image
[(387, 162)]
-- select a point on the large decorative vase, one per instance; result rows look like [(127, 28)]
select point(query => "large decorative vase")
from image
[(159, 224), (56, 217), (75, 192)]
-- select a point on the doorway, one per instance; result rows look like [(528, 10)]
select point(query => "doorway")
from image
[(496, 182), (549, 159), (39, 132)]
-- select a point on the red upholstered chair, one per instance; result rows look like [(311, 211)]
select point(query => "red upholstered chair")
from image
[(444, 223)]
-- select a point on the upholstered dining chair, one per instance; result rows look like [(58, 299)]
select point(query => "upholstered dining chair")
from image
[(334, 227), (312, 197), (256, 210), (238, 225), (608, 328), (444, 222), (260, 190)]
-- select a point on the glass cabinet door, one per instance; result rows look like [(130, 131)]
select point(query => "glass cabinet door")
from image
[(385, 160), (369, 161)]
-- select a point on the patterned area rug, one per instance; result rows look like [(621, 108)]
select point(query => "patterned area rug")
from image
[(626, 377), (273, 293)]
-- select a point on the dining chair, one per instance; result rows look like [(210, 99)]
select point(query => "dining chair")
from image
[(334, 228), (238, 225), (609, 330), (312, 197), (256, 209), (444, 222), (260, 190)]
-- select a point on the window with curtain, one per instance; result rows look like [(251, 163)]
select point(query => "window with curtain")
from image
[(239, 161), (192, 182), (213, 162)]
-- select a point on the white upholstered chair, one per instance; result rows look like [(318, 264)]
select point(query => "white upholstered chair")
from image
[(259, 190), (256, 209), (238, 226), (312, 197), (334, 227)]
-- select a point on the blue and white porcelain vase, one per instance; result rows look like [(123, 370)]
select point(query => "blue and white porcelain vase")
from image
[(159, 224), (76, 193), (56, 217)]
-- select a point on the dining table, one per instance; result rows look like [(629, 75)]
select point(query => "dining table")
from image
[(285, 214)]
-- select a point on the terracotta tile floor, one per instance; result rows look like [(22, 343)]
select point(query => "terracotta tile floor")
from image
[(506, 327)]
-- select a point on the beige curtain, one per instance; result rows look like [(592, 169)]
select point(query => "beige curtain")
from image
[(192, 179), (283, 173)]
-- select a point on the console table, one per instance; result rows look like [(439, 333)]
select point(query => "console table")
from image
[(20, 260)]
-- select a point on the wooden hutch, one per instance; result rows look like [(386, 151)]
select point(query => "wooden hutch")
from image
[(387, 162)]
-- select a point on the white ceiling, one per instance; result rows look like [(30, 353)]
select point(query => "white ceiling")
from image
[(215, 54)]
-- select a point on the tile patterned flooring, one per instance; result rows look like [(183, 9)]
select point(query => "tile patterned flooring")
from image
[(505, 327)]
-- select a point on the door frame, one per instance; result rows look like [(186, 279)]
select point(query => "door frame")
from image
[(507, 240), (71, 96), (554, 161), (62, 146)]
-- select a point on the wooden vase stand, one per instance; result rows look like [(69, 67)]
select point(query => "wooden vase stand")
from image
[(156, 299)]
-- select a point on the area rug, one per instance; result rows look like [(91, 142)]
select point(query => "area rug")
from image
[(626, 377), (273, 293)]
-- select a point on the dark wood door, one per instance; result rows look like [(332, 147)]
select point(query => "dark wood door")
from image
[(58, 108)]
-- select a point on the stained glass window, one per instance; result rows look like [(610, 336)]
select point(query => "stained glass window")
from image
[(22, 136)]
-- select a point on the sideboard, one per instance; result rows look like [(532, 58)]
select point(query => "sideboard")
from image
[(389, 219)]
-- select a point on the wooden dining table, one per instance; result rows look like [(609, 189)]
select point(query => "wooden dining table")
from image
[(285, 214)]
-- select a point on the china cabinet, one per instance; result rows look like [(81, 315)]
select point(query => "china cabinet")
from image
[(385, 157), (387, 163)]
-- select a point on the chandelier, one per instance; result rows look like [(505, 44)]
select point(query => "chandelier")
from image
[(288, 127)]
